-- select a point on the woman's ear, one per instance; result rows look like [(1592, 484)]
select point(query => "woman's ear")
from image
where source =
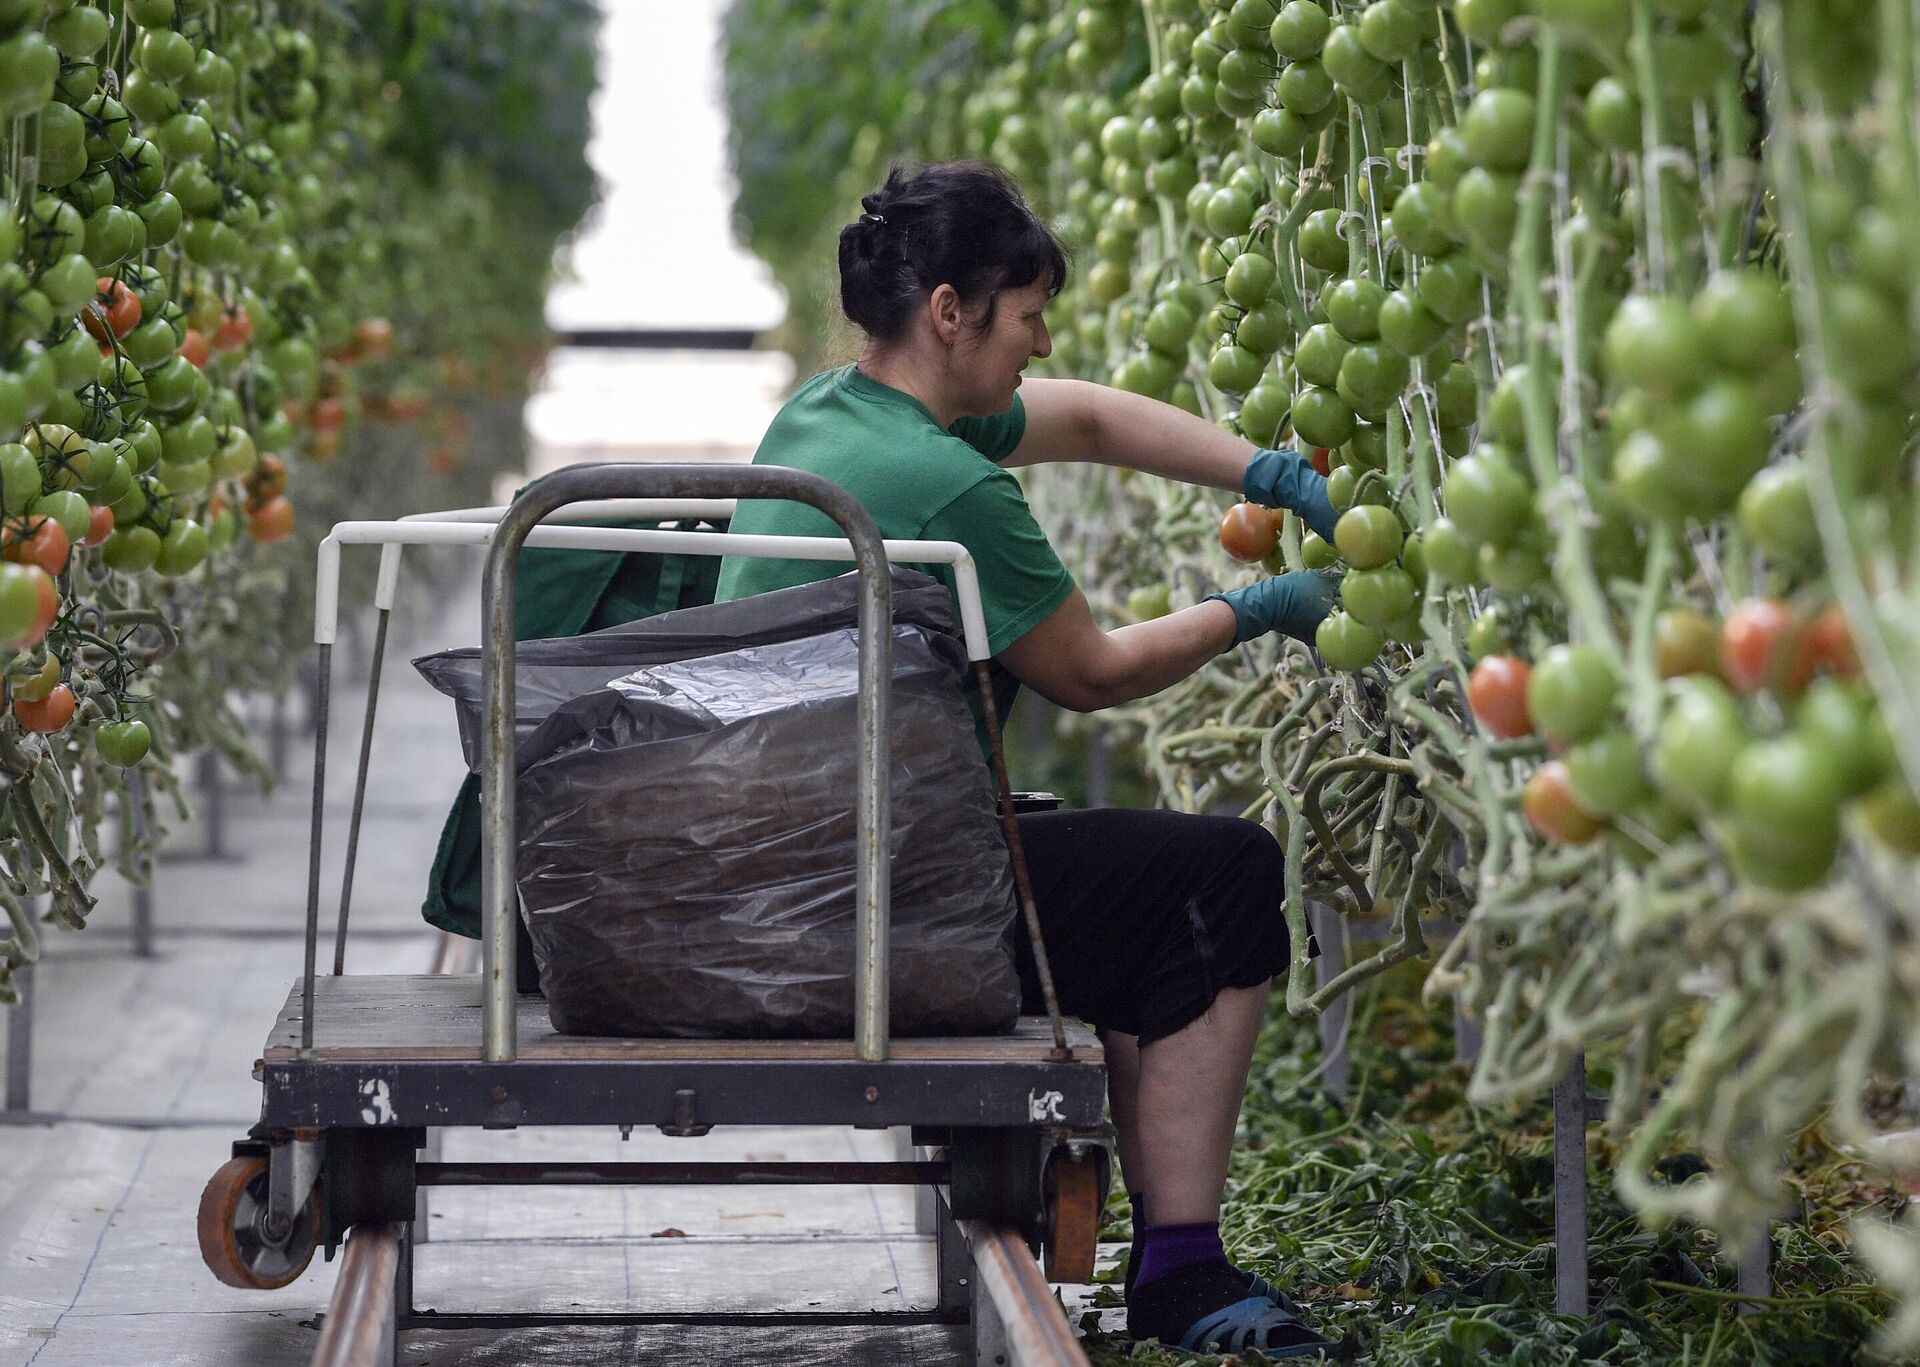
[(943, 308)]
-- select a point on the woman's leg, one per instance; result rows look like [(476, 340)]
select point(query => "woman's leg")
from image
[(1123, 1099), (1188, 1108)]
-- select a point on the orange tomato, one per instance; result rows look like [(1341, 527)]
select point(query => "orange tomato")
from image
[(271, 521), (194, 347), (41, 542), (48, 714), (1685, 642), (99, 526), (236, 326), (1497, 693), (115, 307), (1763, 645)]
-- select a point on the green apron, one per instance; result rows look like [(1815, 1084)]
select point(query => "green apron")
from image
[(561, 593)]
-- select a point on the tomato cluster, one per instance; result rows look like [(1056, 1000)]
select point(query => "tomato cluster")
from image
[(240, 242)]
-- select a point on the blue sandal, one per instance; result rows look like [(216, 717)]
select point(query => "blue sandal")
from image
[(1250, 1325), (1206, 1308)]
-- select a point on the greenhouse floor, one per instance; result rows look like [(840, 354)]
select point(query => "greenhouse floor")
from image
[(141, 1077)]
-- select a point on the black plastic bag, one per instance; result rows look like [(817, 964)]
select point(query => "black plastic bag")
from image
[(686, 831)]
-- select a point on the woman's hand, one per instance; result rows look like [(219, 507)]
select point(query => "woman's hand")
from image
[(1285, 479), (1292, 604)]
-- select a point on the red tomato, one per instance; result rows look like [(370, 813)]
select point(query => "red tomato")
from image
[(236, 326), (1497, 693), (99, 526), (194, 347), (1763, 645), (1829, 640), (327, 415), (1321, 459), (1246, 532), (49, 714), (1551, 809), (40, 541), (115, 307)]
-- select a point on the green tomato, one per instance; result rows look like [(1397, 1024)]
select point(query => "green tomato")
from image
[(1346, 644), (1321, 417), (1317, 553), (1371, 378), (1655, 344), (1234, 369), (1486, 205), (1498, 128), (1839, 718), (1784, 800), (164, 55), (20, 478), (1265, 327), (131, 550), (1604, 772), (1453, 288), (1318, 357), (68, 508), (123, 744), (1368, 537), (1378, 597), (1457, 396), (1353, 308), (182, 547), (29, 65), (1776, 513), (1517, 567), (1298, 31), (1488, 500), (1571, 692), (1250, 279), (1490, 634), (1449, 554), (1305, 88), (1422, 218)]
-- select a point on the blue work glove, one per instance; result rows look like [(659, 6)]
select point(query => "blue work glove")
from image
[(1286, 479), (1292, 604)]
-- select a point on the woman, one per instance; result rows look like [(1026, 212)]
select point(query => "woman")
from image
[(1163, 929)]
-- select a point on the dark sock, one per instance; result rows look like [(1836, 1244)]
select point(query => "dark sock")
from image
[(1168, 1248)]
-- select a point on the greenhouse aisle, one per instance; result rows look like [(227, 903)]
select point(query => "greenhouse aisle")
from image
[(141, 1079)]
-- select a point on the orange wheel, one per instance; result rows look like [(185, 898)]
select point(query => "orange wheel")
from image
[(1073, 1216), (234, 1242)]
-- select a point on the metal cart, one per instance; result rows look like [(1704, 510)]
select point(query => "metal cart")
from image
[(358, 1069)]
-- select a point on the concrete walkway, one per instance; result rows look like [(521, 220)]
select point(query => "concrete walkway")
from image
[(141, 1078)]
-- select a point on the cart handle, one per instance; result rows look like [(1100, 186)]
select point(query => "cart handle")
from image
[(425, 531), (498, 892)]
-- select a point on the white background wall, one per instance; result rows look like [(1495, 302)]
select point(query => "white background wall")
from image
[(659, 252)]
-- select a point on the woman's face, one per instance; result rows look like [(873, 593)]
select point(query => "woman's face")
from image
[(989, 362)]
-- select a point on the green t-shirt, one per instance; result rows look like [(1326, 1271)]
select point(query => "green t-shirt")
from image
[(917, 482)]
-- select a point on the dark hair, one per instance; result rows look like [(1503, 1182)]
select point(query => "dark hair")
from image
[(958, 223)]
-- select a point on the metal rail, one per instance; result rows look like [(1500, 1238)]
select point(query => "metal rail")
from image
[(819, 1174), (361, 1319), (1022, 1312)]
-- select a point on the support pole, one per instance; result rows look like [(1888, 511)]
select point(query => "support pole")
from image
[(20, 1043), (1570, 1188), (1754, 1274), (359, 795), (1336, 1058), (135, 836)]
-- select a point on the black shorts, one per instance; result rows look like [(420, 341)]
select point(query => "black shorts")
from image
[(1147, 915)]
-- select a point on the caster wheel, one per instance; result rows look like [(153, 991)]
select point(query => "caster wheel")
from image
[(1073, 1217), (233, 1230)]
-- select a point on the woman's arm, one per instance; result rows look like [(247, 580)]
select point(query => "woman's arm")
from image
[(1070, 420), (1070, 662)]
